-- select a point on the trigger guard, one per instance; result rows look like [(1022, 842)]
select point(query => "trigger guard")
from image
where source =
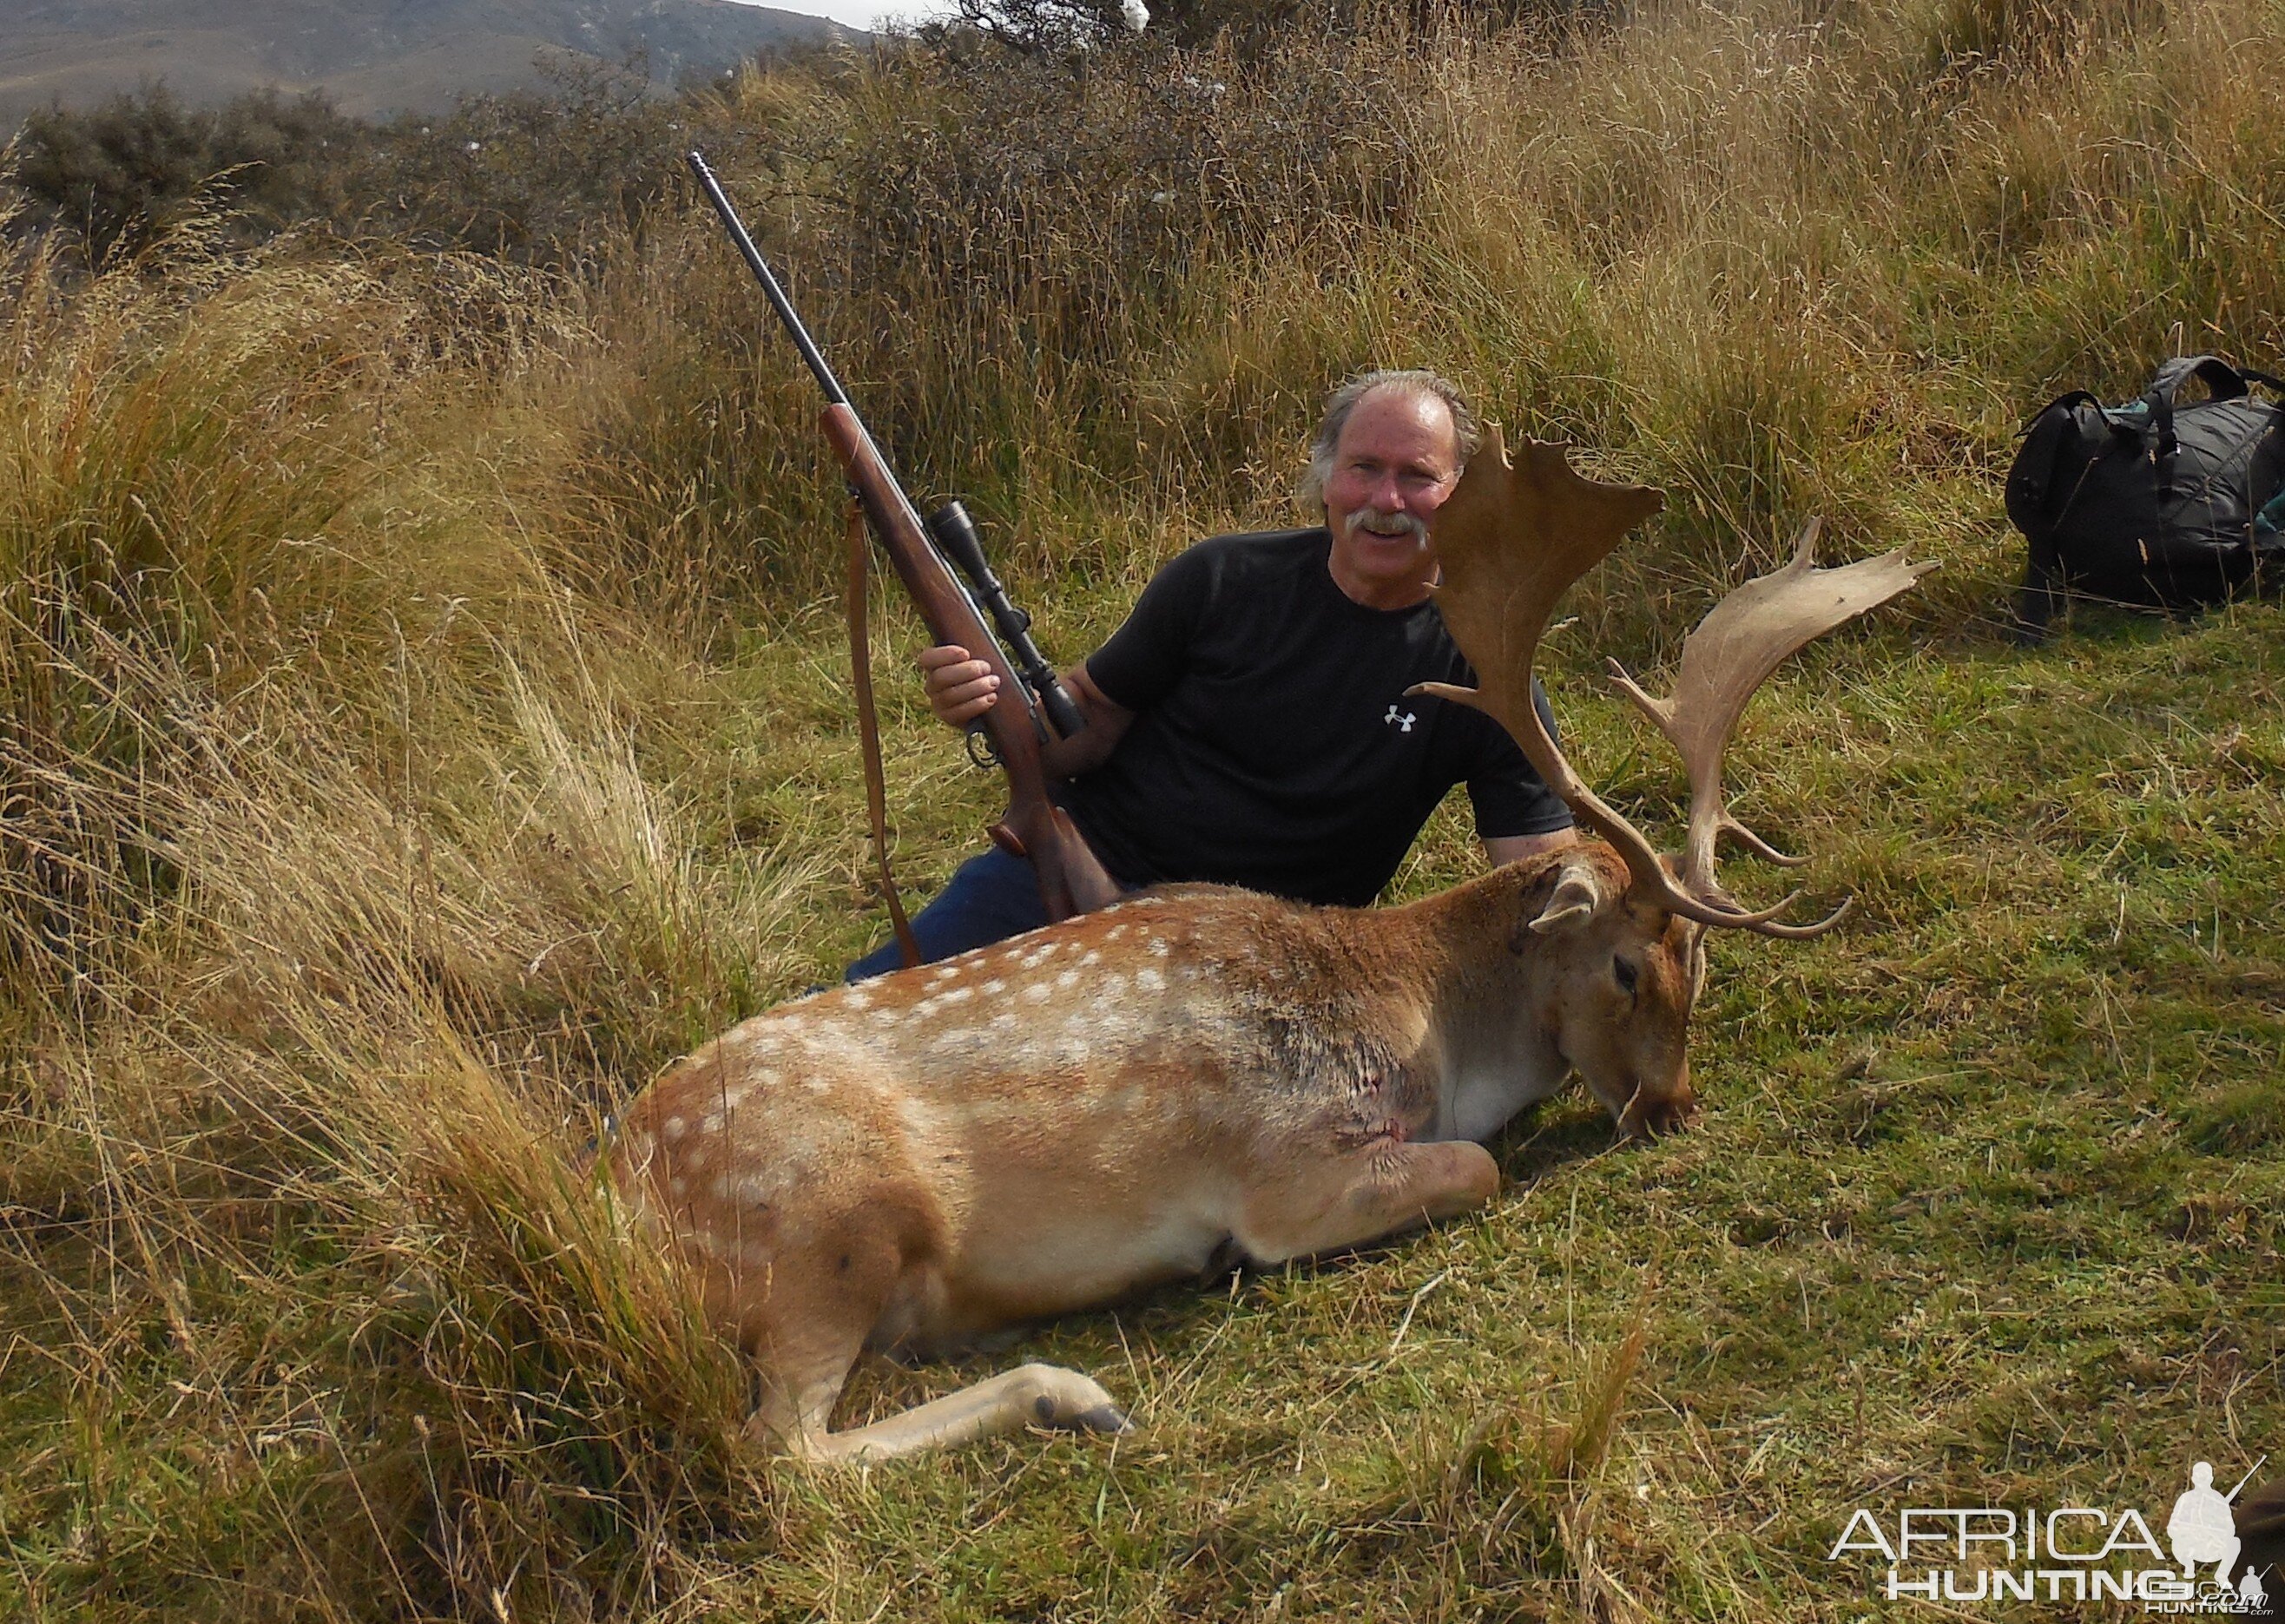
[(979, 746)]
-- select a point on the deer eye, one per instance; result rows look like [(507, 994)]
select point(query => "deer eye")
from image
[(1625, 974)]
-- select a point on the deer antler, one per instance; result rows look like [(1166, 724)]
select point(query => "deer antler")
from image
[(1513, 537), (1741, 640), (1510, 539)]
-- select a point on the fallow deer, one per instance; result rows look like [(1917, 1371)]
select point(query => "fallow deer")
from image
[(1202, 1076)]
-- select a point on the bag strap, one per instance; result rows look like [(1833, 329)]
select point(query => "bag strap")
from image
[(2225, 380), (2220, 378)]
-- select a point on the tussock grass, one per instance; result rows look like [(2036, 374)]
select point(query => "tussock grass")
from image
[(422, 717)]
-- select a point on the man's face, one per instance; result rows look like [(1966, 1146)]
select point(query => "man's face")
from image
[(1397, 459)]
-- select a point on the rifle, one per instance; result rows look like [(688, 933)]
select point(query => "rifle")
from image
[(1072, 878)]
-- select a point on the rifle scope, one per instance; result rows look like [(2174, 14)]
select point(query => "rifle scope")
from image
[(955, 533)]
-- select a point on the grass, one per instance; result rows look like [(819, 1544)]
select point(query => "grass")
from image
[(422, 715), (1983, 1210)]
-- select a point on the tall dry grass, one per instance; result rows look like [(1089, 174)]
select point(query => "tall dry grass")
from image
[(391, 646), (341, 906), (1777, 261)]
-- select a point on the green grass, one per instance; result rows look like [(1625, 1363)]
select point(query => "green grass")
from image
[(423, 717), (1984, 1207)]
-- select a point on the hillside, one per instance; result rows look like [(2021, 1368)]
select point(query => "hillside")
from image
[(372, 56)]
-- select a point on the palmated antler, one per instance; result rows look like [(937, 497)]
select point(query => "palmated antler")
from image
[(1513, 538), (1741, 640), (1510, 539)]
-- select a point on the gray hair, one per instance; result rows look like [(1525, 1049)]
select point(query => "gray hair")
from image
[(1344, 401)]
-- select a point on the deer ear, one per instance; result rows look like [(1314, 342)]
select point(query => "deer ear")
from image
[(1579, 892)]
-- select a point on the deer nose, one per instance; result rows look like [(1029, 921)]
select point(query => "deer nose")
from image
[(1647, 1117)]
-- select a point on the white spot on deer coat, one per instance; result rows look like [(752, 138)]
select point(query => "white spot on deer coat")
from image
[(955, 1043), (919, 1117)]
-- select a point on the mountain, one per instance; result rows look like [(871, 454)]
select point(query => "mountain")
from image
[(372, 56)]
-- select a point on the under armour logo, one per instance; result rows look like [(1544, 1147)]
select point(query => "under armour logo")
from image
[(1402, 724)]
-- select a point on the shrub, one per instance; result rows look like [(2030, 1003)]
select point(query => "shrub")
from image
[(124, 172)]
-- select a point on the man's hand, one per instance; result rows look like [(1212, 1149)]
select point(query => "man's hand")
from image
[(959, 689)]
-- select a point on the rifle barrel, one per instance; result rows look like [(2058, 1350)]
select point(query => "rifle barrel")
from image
[(834, 393), (1073, 879)]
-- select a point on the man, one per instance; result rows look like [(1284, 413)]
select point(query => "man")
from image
[(1248, 725)]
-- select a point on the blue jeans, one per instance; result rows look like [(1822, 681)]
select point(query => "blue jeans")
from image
[(992, 897)]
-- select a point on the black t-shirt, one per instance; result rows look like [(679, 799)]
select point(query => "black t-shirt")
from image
[(1273, 746)]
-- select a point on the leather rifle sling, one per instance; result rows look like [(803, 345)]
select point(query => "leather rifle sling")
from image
[(869, 733)]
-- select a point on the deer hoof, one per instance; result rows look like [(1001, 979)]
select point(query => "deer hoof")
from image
[(1104, 1418), (1068, 1401), (1097, 1419)]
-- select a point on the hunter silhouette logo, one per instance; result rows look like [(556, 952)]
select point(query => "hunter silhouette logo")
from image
[(2202, 1528), (1402, 724)]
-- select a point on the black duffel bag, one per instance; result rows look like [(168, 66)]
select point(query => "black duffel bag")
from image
[(2151, 503)]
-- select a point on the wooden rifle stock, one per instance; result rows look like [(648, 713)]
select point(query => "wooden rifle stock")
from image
[(1072, 878)]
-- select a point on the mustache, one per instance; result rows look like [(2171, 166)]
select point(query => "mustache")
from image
[(1386, 521)]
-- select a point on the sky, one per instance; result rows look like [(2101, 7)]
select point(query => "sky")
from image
[(861, 14)]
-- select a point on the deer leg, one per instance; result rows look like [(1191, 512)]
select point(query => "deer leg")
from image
[(803, 1373), (1030, 1395), (1364, 1197), (807, 1356), (806, 1313)]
